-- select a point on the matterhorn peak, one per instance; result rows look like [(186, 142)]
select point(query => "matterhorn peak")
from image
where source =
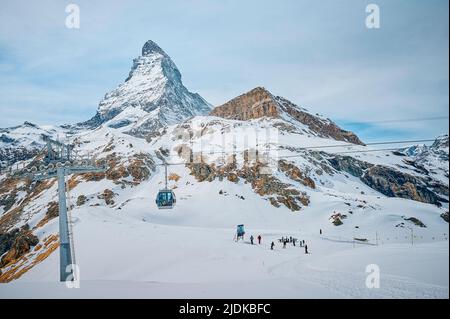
[(151, 47), (152, 96)]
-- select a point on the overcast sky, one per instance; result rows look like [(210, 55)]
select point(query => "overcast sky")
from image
[(318, 54)]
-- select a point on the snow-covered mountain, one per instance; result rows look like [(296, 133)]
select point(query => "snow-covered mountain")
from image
[(258, 160), (25, 141), (431, 159), (152, 96)]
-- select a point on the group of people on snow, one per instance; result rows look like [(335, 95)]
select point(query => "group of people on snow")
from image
[(252, 239), (283, 240)]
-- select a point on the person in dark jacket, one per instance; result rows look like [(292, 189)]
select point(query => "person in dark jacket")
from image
[(306, 249), (272, 245), (251, 239), (259, 239)]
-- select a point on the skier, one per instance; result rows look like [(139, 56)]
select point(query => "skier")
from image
[(272, 245), (306, 249), (293, 241), (251, 239), (320, 231), (259, 239), (284, 244)]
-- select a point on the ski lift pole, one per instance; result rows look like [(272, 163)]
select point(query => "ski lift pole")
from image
[(165, 169), (65, 254)]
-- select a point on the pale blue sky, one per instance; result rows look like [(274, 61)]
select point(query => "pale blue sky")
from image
[(318, 54)]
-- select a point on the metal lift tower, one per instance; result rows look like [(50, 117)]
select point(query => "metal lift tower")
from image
[(59, 162)]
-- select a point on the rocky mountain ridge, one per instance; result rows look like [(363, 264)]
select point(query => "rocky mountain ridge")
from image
[(259, 102)]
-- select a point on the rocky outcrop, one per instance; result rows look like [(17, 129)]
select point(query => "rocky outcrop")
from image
[(259, 103), (17, 243), (81, 200), (21, 264), (108, 196), (393, 183), (139, 167), (349, 165), (337, 218), (252, 105), (386, 180), (32, 190), (53, 210), (444, 216), (294, 173), (264, 185), (416, 221)]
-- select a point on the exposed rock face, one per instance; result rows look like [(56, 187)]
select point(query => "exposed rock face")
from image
[(416, 222), (139, 166), (53, 210), (8, 200), (265, 185), (445, 216), (294, 173), (259, 103), (108, 196), (337, 218), (251, 105), (16, 243), (397, 184), (386, 180), (11, 217), (81, 200), (349, 165)]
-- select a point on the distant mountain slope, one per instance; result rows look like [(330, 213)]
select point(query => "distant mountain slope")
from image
[(24, 141), (433, 159)]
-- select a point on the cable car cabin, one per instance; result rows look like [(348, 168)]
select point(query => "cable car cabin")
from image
[(240, 232), (165, 199)]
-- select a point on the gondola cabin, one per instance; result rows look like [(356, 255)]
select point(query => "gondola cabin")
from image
[(165, 199), (240, 232)]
